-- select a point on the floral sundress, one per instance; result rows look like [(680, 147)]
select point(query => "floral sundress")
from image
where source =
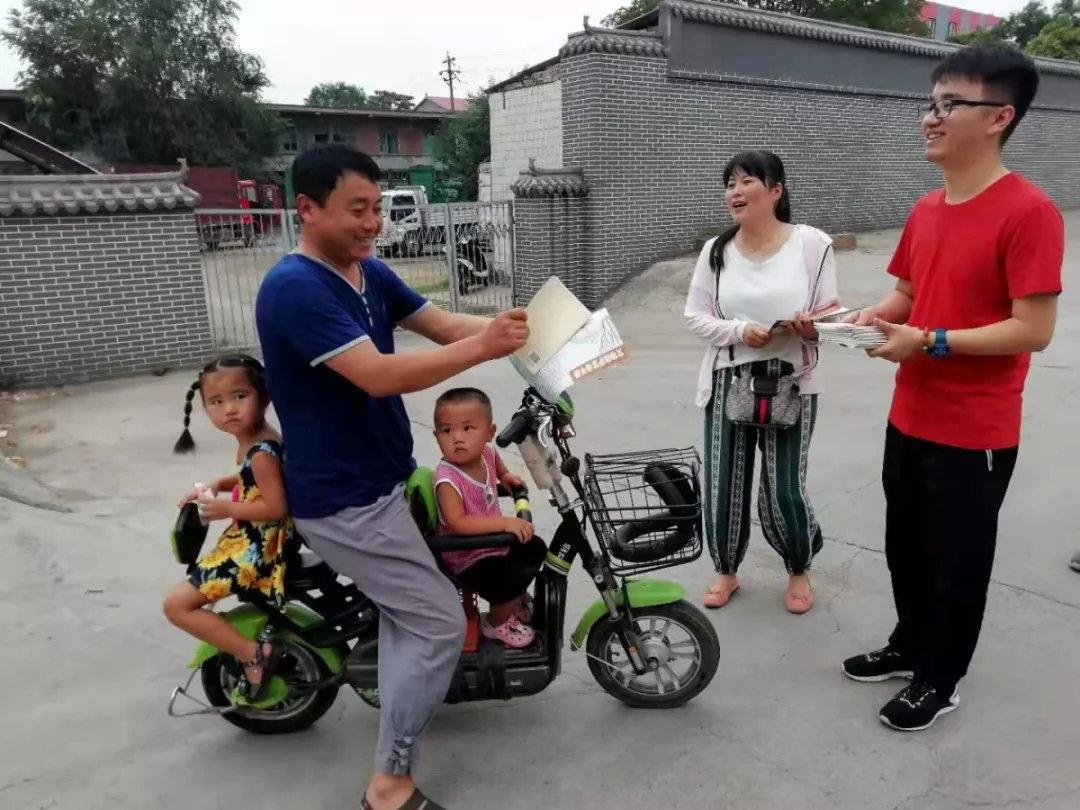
[(249, 555)]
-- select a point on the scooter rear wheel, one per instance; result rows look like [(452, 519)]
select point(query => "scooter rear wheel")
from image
[(677, 639), (220, 676)]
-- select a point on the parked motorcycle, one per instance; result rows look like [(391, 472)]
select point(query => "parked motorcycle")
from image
[(471, 266)]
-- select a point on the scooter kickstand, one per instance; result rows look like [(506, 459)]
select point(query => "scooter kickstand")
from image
[(206, 708)]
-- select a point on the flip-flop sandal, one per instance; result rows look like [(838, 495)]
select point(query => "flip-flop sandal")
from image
[(268, 665), (417, 801)]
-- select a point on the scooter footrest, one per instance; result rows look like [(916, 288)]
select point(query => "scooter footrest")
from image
[(491, 667)]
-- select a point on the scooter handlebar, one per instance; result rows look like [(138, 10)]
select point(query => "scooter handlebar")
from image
[(516, 431), (521, 503)]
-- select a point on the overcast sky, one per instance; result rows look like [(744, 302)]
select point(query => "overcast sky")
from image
[(399, 44)]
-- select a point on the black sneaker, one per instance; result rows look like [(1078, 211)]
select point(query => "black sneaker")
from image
[(917, 706), (879, 665)]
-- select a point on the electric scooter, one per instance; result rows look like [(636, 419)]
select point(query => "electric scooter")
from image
[(644, 643)]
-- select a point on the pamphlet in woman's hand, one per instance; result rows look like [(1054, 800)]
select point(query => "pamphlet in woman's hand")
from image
[(832, 314)]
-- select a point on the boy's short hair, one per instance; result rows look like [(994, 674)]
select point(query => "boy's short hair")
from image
[(1007, 72), (316, 171), (456, 395)]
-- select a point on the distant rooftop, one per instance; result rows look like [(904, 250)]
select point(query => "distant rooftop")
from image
[(296, 109), (444, 103)]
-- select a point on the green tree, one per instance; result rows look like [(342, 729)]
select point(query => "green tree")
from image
[(1068, 8), (900, 16), (1020, 27), (389, 100), (980, 36), (338, 95), (463, 143), (1060, 39), (144, 81), (624, 14), (345, 96), (1024, 25)]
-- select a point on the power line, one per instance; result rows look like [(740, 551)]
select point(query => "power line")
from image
[(494, 55)]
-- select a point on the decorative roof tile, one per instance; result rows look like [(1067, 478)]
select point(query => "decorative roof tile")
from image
[(27, 195), (608, 40), (550, 183)]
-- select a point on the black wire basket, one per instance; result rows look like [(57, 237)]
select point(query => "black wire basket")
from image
[(646, 508)]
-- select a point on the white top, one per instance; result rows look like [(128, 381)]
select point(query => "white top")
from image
[(801, 276), (763, 292)]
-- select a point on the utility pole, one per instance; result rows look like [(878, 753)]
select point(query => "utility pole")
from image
[(449, 75)]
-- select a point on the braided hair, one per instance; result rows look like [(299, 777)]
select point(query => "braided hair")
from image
[(255, 373)]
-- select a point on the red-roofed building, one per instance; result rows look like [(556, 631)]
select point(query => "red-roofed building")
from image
[(946, 21), (442, 104)]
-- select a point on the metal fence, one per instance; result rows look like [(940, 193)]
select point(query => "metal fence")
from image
[(460, 256)]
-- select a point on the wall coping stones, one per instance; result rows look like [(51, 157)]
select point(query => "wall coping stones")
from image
[(536, 182), (51, 194), (773, 22), (653, 42), (610, 40)]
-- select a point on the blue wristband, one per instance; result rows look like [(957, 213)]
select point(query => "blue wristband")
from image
[(940, 347)]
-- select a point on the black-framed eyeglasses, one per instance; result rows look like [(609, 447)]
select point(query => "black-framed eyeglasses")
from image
[(943, 109)]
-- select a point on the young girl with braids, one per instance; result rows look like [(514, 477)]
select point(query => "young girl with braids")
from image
[(250, 555)]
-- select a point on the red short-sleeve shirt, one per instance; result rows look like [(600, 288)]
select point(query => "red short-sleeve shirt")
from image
[(967, 263)]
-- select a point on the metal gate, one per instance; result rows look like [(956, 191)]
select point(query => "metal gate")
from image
[(459, 255)]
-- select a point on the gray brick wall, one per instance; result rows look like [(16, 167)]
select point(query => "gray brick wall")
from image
[(549, 236), (91, 297), (653, 146)]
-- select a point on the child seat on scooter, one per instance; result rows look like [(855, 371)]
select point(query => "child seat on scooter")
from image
[(420, 494)]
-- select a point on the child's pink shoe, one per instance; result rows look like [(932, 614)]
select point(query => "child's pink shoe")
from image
[(512, 632)]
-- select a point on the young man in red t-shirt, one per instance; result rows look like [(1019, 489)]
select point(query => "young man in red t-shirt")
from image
[(979, 272)]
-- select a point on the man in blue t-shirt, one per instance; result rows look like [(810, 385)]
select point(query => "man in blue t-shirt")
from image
[(326, 315)]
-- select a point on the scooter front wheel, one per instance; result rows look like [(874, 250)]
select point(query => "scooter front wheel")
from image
[(679, 645)]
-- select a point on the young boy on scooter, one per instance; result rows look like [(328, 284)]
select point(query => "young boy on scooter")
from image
[(466, 486)]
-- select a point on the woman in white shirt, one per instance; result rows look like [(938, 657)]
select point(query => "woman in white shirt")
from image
[(761, 270)]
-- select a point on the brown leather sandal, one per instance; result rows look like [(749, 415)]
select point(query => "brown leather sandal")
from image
[(417, 801), (268, 664)]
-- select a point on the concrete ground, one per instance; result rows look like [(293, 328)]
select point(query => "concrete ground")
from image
[(90, 661)]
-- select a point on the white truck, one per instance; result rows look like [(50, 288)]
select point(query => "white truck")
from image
[(411, 224)]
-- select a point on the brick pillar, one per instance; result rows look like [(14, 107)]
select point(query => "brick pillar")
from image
[(550, 216)]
